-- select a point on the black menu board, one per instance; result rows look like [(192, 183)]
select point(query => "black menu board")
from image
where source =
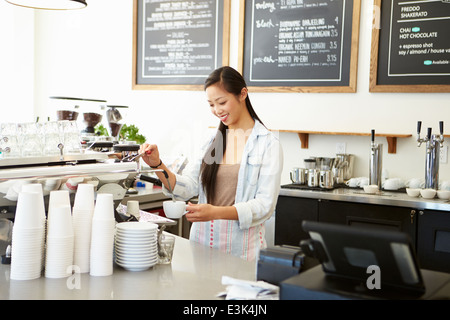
[(411, 46), (178, 43), (301, 45)]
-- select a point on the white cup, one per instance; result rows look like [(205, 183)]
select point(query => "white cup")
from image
[(393, 184), (85, 197), (174, 209), (428, 193), (445, 185), (36, 187), (363, 181), (27, 217), (133, 208), (50, 185), (415, 183), (352, 182), (372, 188), (60, 223), (59, 197), (104, 207)]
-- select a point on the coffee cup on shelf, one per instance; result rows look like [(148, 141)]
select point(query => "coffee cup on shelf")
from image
[(357, 182), (445, 185), (415, 183), (393, 184), (363, 181), (352, 182)]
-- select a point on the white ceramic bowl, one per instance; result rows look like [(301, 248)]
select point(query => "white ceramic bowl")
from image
[(443, 194), (413, 192), (174, 209), (428, 193), (372, 188)]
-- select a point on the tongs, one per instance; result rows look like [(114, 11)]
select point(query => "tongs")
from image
[(133, 157)]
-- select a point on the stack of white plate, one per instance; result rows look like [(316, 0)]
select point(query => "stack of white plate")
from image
[(136, 245)]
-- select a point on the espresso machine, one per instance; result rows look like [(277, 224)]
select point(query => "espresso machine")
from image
[(434, 144)]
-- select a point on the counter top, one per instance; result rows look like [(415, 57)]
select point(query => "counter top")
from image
[(391, 198), (194, 274)]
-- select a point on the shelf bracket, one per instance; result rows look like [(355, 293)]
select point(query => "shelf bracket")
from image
[(392, 144), (304, 139)]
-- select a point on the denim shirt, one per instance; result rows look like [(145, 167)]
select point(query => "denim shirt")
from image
[(258, 186)]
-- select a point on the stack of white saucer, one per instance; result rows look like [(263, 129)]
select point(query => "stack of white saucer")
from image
[(136, 245), (28, 237), (82, 212), (102, 237), (60, 236)]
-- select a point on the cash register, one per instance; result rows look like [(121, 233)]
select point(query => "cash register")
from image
[(362, 263)]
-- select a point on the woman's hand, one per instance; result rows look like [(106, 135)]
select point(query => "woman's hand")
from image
[(207, 212), (200, 212), (151, 156)]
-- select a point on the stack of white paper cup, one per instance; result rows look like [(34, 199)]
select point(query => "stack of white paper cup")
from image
[(60, 238), (102, 238), (27, 238), (83, 210), (37, 187), (56, 198)]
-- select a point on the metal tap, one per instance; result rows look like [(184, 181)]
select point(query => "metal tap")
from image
[(375, 162), (434, 143)]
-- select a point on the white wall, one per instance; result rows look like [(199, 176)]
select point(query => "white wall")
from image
[(16, 63), (88, 53)]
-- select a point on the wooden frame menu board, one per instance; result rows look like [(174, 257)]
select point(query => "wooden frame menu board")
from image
[(177, 43), (299, 45), (410, 46)]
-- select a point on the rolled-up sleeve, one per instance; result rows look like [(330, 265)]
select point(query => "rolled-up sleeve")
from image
[(187, 184)]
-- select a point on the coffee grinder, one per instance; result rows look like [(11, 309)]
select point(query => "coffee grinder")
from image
[(113, 117)]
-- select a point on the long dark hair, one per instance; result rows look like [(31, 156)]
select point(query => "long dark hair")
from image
[(233, 82)]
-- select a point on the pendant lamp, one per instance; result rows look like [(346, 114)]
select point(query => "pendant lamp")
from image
[(50, 4)]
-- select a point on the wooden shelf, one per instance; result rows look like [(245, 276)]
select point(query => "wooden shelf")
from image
[(391, 138)]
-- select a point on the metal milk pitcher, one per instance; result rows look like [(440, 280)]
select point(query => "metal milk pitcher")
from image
[(298, 175), (326, 179)]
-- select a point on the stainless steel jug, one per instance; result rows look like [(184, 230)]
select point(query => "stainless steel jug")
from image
[(344, 162), (313, 177), (298, 175), (326, 180)]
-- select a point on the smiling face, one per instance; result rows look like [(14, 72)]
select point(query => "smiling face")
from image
[(230, 109)]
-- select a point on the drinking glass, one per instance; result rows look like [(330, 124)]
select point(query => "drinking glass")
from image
[(9, 143), (30, 139), (52, 138), (72, 137)]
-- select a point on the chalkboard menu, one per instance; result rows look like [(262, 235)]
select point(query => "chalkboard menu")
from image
[(411, 46), (300, 45), (178, 43)]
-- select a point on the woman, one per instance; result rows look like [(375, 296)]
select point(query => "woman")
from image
[(238, 179)]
